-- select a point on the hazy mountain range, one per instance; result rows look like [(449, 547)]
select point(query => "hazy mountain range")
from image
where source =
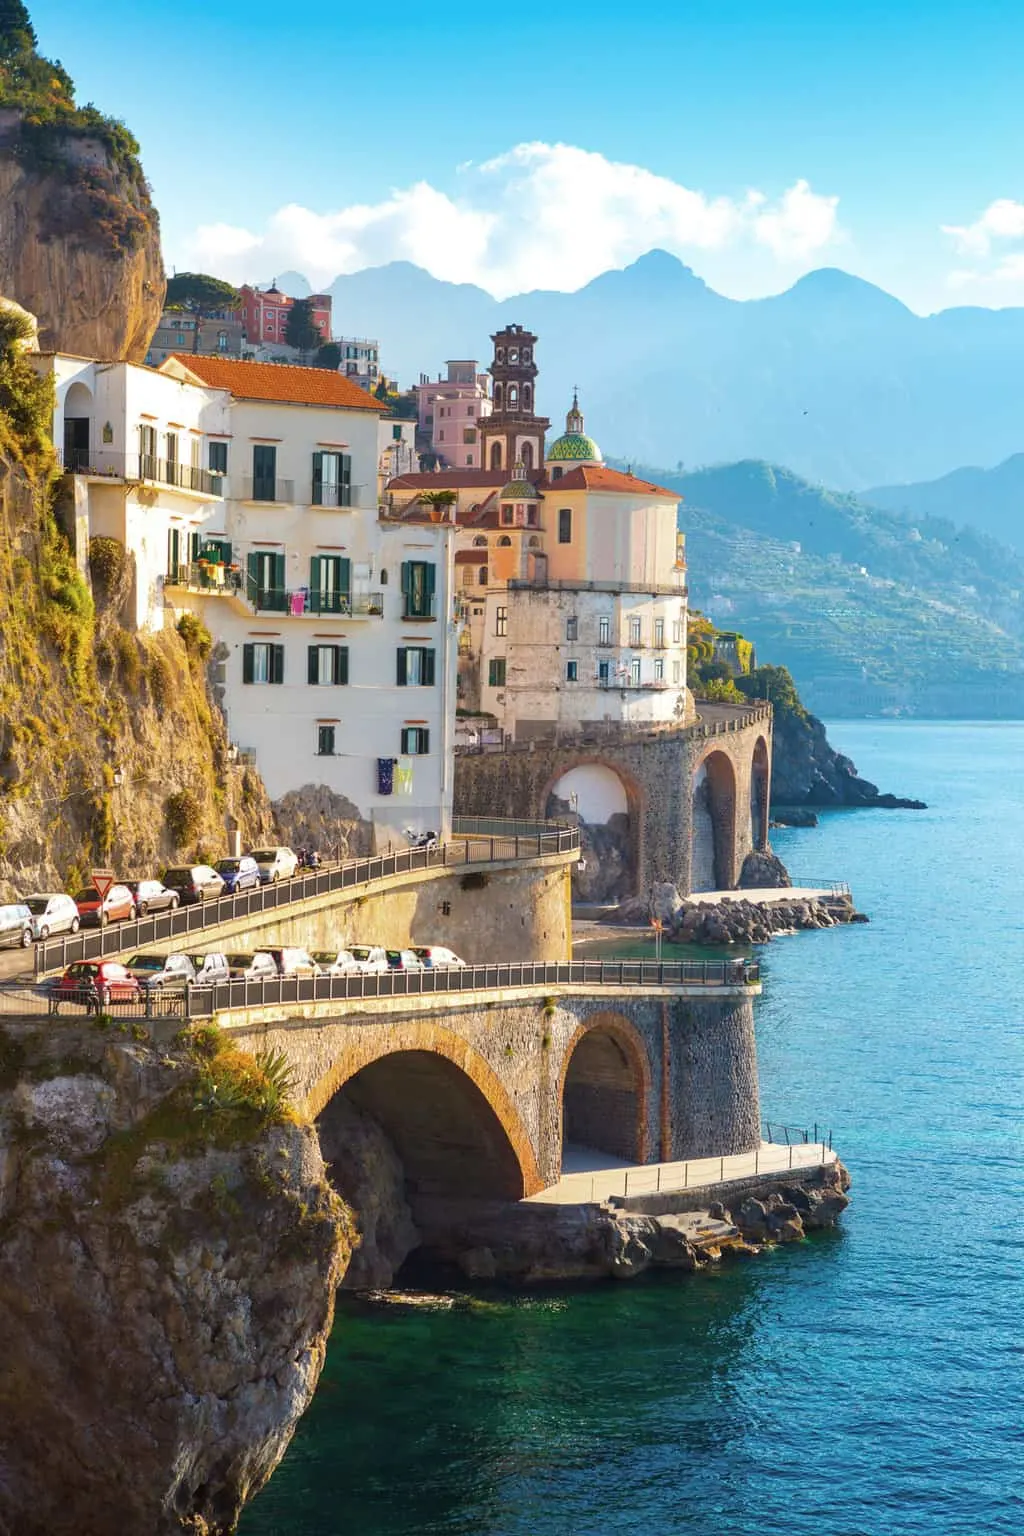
[(834, 377), (989, 499)]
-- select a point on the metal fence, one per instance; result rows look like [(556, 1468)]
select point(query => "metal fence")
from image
[(498, 826), (117, 937), (796, 1135), (21, 1001)]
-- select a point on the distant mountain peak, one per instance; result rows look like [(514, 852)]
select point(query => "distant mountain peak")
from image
[(831, 285)]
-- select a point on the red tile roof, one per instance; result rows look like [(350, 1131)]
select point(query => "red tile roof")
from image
[(457, 479), (279, 382), (598, 478), (585, 478)]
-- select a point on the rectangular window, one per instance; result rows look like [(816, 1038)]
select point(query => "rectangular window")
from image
[(415, 741), (572, 671), (507, 516), (332, 480), (147, 453), (416, 666), (218, 458), (469, 459), (659, 632), (330, 581), (501, 622), (265, 581), (565, 525), (604, 631), (659, 669), (634, 631), (328, 665), (604, 673), (676, 672), (469, 434), (325, 741), (262, 662), (264, 472), (172, 458), (418, 589), (496, 672), (572, 629), (634, 672), (677, 632)]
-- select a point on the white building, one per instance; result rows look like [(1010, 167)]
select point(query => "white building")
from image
[(335, 623), (142, 451)]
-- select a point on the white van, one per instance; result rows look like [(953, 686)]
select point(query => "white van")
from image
[(53, 913), (275, 864)]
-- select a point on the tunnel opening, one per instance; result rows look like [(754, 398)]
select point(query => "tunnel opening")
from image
[(603, 1098), (713, 845)]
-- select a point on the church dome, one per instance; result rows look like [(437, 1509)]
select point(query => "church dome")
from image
[(574, 446), (519, 488)]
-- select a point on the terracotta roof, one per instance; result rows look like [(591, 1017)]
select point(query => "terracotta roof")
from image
[(471, 557), (279, 382), (598, 478), (458, 479)]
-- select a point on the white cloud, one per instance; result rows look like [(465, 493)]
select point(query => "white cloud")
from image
[(994, 245), (1002, 221), (540, 216)]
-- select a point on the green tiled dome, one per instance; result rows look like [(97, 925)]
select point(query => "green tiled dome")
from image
[(574, 445), (519, 490)]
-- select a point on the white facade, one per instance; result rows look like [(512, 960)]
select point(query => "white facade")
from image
[(336, 639), (137, 445), (396, 450)]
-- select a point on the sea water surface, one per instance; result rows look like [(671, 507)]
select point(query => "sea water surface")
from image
[(867, 1382)]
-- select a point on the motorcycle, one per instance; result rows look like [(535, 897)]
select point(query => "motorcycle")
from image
[(420, 839)]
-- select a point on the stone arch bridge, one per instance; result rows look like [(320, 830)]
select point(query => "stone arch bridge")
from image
[(685, 805)]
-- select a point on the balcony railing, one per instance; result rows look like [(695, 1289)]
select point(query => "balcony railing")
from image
[(271, 488), (142, 467), (424, 608), (298, 601), (206, 578)]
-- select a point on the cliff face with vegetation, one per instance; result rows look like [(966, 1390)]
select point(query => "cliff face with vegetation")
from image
[(169, 1252), (79, 236), (82, 697)]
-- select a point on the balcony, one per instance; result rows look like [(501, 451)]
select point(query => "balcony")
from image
[(142, 468), (269, 488), (211, 580), (423, 608), (303, 602)]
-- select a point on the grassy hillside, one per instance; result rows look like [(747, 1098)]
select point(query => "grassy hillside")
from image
[(990, 500), (869, 610)]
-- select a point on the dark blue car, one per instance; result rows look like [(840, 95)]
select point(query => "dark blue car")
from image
[(238, 874)]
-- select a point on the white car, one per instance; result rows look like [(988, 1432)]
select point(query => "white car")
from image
[(436, 957), (275, 864), (370, 957), (52, 913), (336, 963)]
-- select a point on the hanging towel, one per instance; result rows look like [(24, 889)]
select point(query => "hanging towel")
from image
[(385, 775), (403, 776), (299, 602)]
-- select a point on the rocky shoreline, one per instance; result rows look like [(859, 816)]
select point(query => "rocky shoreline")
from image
[(807, 771)]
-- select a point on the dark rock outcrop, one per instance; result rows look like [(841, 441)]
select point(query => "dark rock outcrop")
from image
[(737, 921), (763, 871), (808, 771), (167, 1277)]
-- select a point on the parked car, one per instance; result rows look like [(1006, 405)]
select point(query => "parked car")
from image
[(156, 971), (241, 874), (16, 925), (294, 962), (117, 906), (211, 968), (153, 896), (96, 984), (275, 864), (436, 957), (194, 882), (369, 957), (341, 962), (52, 913), (258, 967), (403, 960)]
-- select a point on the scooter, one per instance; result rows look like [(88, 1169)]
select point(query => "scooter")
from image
[(420, 839)]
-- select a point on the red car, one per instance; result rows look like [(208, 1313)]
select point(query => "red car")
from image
[(117, 904), (95, 983)]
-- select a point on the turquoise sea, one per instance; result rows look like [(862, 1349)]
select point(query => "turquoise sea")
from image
[(869, 1382)]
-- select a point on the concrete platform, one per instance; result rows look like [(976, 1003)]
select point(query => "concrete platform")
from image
[(589, 1175), (767, 896)]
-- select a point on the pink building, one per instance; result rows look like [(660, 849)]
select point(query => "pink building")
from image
[(265, 313), (449, 414)]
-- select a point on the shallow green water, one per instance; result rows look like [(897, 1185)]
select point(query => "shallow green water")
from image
[(866, 1383)]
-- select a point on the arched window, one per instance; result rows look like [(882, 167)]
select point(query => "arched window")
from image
[(534, 542), (496, 455), (479, 542), (499, 395), (499, 356), (526, 454), (513, 354), (504, 542), (526, 354), (527, 397), (481, 576), (513, 397)]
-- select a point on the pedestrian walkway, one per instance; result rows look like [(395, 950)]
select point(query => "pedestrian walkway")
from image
[(770, 896), (589, 1175)]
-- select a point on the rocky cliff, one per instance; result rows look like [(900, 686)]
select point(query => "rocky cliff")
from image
[(169, 1250), (808, 771)]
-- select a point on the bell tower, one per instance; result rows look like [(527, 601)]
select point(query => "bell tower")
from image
[(513, 433)]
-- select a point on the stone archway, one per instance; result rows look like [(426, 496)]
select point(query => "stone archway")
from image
[(608, 803), (760, 783), (713, 825), (604, 1089)]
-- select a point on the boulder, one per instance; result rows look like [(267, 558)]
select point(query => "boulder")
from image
[(664, 903), (763, 870)]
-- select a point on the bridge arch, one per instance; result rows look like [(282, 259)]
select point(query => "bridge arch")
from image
[(760, 783), (713, 823), (610, 804), (453, 1124), (604, 1088)]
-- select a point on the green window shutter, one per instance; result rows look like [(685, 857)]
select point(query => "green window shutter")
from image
[(315, 583), (279, 573), (345, 461), (277, 663), (403, 667), (406, 577), (407, 735), (318, 479), (313, 666), (194, 542), (429, 573), (248, 652), (344, 575), (341, 664), (428, 668)]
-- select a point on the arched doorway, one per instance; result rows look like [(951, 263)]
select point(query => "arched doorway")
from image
[(609, 822), (713, 825), (604, 1092), (78, 432), (760, 779)]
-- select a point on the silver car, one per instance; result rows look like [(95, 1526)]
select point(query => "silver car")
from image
[(52, 912)]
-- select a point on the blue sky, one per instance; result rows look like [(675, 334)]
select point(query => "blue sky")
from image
[(757, 141)]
